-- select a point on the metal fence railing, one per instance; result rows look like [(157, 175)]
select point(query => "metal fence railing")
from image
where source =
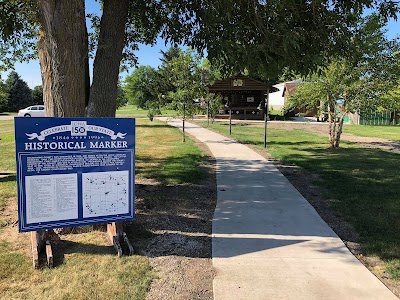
[(378, 118)]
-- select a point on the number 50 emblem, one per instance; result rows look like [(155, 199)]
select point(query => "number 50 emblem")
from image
[(78, 128)]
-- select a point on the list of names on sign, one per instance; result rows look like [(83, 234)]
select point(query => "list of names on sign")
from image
[(51, 197)]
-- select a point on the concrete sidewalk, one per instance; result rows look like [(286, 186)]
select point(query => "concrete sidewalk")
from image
[(268, 242)]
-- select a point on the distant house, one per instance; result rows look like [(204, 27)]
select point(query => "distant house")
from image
[(290, 88), (242, 95), (276, 100)]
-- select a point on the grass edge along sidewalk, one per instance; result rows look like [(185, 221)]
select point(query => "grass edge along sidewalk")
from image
[(88, 267), (361, 184)]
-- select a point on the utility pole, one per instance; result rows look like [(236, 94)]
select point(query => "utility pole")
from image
[(230, 119)]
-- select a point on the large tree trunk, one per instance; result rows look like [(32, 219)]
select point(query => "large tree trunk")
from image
[(63, 56), (103, 92)]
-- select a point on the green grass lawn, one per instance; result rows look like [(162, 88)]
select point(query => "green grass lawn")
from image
[(363, 182), (7, 146), (7, 162), (87, 267), (163, 156), (132, 111), (388, 132)]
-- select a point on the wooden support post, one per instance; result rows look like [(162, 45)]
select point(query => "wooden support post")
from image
[(49, 254), (117, 237), (39, 241), (117, 246), (128, 243), (114, 231), (35, 252)]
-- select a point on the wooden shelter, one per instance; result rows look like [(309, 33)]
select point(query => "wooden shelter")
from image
[(242, 95)]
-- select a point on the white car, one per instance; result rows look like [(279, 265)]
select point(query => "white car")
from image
[(32, 111)]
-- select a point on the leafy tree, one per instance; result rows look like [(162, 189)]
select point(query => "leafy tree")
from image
[(3, 96), (122, 99), (37, 95), (63, 50), (19, 95), (391, 102), (142, 86), (257, 35), (185, 78), (359, 81), (342, 88), (265, 37), (214, 105), (288, 75), (209, 73), (168, 55), (164, 72)]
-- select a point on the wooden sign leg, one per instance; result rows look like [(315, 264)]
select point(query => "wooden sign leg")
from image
[(128, 243), (49, 254), (39, 241), (35, 252), (117, 237), (114, 232)]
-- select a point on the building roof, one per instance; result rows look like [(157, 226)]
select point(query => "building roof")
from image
[(240, 83), (290, 88)]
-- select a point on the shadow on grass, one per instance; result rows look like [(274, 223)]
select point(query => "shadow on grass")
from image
[(364, 184), (187, 232), (64, 247), (174, 219), (7, 177)]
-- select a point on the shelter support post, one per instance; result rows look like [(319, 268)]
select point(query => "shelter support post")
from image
[(266, 119), (230, 120)]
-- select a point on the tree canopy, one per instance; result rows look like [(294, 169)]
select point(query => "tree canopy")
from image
[(3, 96), (391, 101), (142, 86), (260, 36), (353, 83), (18, 93), (37, 95), (179, 83)]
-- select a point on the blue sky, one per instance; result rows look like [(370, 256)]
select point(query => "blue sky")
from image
[(30, 72)]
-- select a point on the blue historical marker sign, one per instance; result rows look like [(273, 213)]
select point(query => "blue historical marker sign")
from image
[(74, 171)]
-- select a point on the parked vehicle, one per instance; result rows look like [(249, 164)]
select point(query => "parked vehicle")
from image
[(32, 111)]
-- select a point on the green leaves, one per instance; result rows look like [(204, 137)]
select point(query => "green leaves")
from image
[(361, 77), (267, 36), (185, 76), (37, 95), (142, 86), (3, 95), (18, 31), (18, 93)]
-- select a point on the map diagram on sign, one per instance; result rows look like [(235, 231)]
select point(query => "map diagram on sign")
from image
[(105, 193)]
